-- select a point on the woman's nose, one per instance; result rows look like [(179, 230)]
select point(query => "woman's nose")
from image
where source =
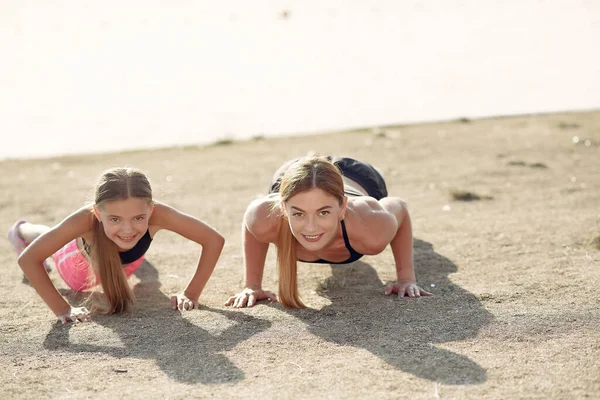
[(311, 225)]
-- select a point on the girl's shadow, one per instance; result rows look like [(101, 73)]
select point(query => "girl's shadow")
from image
[(403, 332), (154, 331)]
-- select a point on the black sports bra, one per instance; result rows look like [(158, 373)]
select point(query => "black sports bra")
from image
[(129, 256), (354, 255)]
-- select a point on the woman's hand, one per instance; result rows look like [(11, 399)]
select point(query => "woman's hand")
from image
[(181, 302), (75, 314), (408, 289), (248, 298)]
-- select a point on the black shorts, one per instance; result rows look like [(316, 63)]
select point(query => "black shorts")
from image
[(360, 172)]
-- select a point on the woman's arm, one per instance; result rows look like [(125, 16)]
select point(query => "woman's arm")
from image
[(402, 242), (402, 249), (166, 217), (388, 222), (259, 229), (32, 258)]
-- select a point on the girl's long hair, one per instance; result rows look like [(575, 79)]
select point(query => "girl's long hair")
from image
[(115, 184), (305, 174)]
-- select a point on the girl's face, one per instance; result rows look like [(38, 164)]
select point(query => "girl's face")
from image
[(125, 221), (314, 216)]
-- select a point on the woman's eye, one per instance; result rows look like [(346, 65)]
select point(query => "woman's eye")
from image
[(297, 215), (323, 213), (139, 218), (114, 220)]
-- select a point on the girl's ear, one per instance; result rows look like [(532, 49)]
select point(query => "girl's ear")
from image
[(344, 208), (97, 213), (151, 208), (283, 210)]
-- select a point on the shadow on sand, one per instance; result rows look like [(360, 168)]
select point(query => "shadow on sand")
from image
[(403, 332), (184, 351)]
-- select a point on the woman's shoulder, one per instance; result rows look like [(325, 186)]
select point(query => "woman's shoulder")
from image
[(262, 215), (369, 224), (364, 205)]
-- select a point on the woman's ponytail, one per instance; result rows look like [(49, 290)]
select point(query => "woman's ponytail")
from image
[(287, 266)]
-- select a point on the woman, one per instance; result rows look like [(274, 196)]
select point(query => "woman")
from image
[(324, 210)]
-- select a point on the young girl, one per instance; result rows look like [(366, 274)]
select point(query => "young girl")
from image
[(324, 210), (106, 242)]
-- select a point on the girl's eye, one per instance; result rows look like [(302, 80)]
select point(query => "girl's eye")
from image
[(323, 213), (139, 218), (114, 219), (297, 215)]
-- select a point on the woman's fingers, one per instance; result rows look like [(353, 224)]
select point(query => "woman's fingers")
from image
[(241, 300), (271, 296), (182, 303), (409, 290), (249, 298)]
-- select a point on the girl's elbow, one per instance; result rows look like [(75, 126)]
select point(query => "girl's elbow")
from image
[(25, 261), (219, 241), (21, 261)]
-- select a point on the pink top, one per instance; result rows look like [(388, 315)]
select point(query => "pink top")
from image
[(74, 267)]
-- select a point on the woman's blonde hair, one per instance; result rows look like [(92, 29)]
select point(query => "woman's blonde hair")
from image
[(305, 174), (115, 184)]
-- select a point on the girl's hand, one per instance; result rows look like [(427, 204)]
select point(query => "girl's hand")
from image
[(408, 289), (75, 314), (181, 302), (248, 298)]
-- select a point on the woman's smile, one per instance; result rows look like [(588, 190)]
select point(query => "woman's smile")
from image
[(312, 238)]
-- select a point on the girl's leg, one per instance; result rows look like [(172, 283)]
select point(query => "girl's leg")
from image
[(29, 232), (22, 233)]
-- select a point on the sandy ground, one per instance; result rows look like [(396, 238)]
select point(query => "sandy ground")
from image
[(515, 276)]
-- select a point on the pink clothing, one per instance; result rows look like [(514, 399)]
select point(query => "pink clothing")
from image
[(74, 267)]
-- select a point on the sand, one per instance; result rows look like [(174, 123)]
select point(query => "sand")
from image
[(505, 214)]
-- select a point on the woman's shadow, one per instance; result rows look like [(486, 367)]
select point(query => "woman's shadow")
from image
[(184, 351), (403, 332)]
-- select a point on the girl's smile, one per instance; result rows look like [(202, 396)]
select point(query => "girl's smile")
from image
[(125, 221)]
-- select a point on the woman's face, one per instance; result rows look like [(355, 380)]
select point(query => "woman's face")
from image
[(125, 221), (314, 216)]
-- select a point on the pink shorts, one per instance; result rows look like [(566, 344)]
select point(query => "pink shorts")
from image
[(74, 267)]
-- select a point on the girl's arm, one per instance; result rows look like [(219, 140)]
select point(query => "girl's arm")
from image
[(32, 258), (166, 217)]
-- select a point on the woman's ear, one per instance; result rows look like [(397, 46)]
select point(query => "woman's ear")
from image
[(344, 208), (97, 213), (151, 209), (283, 210)]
